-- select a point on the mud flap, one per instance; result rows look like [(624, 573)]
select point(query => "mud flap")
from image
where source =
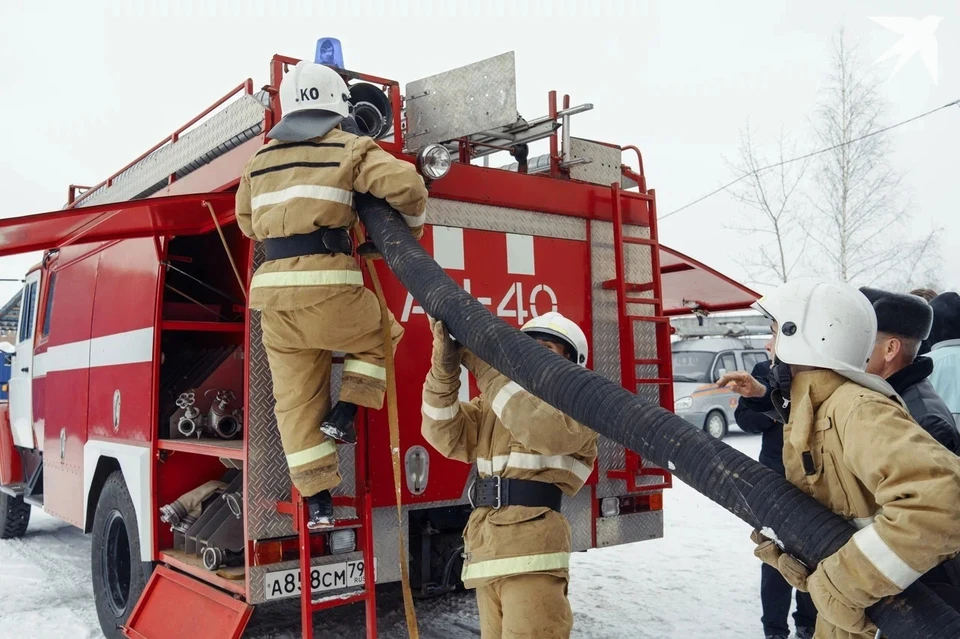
[(176, 605)]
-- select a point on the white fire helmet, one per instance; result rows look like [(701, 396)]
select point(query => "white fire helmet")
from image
[(822, 324), (556, 326), (314, 100)]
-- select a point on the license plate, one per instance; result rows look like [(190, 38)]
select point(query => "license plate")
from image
[(286, 583)]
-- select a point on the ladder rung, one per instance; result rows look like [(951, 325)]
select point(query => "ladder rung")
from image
[(333, 602), (630, 287), (659, 381), (646, 362), (648, 318), (350, 501), (642, 300), (640, 240)]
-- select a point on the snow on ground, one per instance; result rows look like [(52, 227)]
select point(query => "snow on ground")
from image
[(700, 580)]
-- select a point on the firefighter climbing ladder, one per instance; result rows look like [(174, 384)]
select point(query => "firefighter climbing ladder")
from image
[(628, 352), (363, 526)]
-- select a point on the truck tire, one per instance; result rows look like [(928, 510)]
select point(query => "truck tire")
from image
[(716, 424), (14, 516), (119, 576)]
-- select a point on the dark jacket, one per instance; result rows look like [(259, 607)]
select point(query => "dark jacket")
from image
[(924, 404), (751, 416)]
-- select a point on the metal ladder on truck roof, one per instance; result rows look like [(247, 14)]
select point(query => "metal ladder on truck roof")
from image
[(363, 524), (633, 464)]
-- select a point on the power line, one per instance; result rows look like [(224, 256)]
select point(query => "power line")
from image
[(808, 155)]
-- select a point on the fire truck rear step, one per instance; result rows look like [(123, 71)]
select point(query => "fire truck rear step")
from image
[(176, 605), (14, 490)]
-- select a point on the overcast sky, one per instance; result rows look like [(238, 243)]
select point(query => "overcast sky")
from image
[(88, 86)]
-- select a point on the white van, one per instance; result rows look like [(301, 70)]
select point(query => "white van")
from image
[(697, 365)]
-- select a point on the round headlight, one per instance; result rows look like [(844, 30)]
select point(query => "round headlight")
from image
[(433, 161)]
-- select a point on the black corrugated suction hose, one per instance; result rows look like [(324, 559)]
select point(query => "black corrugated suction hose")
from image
[(747, 489)]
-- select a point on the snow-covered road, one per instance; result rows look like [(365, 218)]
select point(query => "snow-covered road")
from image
[(701, 580)]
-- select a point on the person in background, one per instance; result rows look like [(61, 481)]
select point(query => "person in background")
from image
[(903, 321), (752, 417), (926, 293), (945, 351)]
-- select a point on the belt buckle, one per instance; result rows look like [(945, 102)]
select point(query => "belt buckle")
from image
[(499, 493), (471, 491)]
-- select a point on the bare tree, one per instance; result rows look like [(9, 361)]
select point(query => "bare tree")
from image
[(860, 206), (770, 189), (922, 266)]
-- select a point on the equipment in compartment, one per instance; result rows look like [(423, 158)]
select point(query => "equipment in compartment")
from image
[(208, 522), (188, 418), (223, 418)]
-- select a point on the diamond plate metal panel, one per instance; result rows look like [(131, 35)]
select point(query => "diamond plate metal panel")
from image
[(604, 165), (257, 574), (457, 103), (226, 129), (497, 218), (625, 529), (267, 477), (579, 514)]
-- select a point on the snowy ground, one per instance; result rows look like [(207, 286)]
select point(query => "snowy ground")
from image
[(701, 580)]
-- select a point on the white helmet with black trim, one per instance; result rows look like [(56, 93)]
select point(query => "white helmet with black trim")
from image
[(824, 324), (314, 100), (553, 326)]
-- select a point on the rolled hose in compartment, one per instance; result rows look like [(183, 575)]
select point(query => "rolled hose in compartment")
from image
[(747, 489)]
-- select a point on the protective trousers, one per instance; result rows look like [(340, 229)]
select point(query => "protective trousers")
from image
[(525, 606), (300, 344)]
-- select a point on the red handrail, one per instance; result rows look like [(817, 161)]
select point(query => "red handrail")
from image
[(245, 86)]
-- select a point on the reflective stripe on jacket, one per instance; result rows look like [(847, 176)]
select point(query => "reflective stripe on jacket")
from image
[(293, 188), (509, 432), (868, 461)]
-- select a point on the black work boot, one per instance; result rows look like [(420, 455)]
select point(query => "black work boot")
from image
[(320, 507), (338, 424)]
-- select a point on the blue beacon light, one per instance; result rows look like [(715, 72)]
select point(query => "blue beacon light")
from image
[(329, 52)]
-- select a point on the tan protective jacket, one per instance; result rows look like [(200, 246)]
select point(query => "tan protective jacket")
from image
[(510, 433), (868, 461), (292, 188)]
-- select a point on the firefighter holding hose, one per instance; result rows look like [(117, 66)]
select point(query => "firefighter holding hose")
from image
[(295, 196), (528, 455), (851, 444)]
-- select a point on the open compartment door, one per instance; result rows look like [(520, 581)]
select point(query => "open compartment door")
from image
[(689, 285), (149, 217), (175, 605)]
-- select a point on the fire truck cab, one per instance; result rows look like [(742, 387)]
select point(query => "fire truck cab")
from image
[(139, 376)]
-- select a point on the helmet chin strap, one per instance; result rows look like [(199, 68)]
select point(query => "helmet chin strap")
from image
[(780, 379)]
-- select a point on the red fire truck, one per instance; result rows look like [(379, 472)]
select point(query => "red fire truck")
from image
[(139, 373)]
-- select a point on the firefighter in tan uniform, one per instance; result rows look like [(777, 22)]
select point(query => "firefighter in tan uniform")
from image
[(528, 455), (296, 196), (851, 444)]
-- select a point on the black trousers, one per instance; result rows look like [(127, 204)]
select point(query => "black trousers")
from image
[(775, 594)]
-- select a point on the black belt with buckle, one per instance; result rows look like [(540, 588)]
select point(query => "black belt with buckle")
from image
[(497, 492), (319, 242)]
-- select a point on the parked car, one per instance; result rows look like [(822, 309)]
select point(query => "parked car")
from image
[(697, 365)]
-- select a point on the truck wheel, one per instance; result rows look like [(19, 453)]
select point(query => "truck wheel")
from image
[(716, 424), (14, 516), (118, 574)]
